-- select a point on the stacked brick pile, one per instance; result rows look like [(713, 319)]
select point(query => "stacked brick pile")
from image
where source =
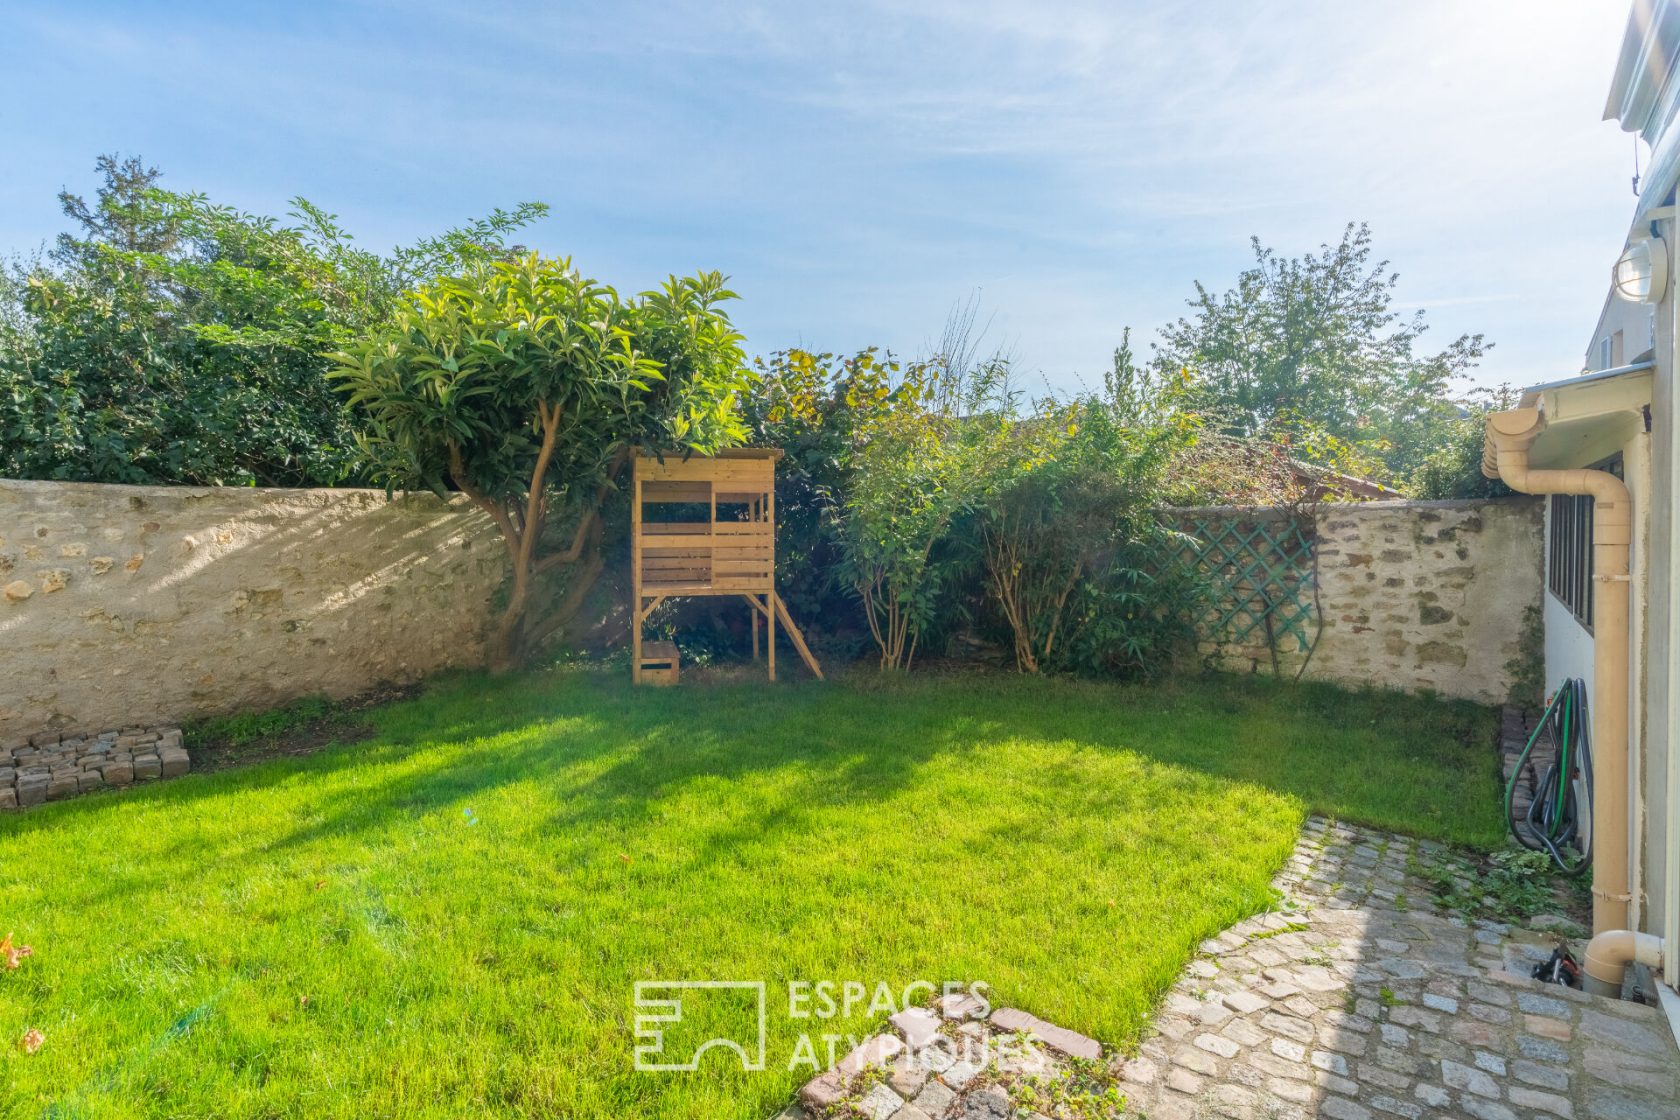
[(50, 767)]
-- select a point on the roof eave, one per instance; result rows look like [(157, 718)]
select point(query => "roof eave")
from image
[(1644, 67), (1533, 392), (1589, 418)]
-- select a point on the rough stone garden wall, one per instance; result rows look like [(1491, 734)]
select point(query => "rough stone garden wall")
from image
[(1409, 595), (134, 607), (131, 606)]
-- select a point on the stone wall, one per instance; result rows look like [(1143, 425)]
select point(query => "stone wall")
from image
[(125, 606), (1416, 596)]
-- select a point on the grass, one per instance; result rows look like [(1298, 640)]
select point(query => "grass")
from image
[(448, 917)]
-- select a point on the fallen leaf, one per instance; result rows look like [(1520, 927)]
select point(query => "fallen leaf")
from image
[(13, 953), (32, 1040)]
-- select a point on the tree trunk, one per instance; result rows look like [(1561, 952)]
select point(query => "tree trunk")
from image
[(580, 582)]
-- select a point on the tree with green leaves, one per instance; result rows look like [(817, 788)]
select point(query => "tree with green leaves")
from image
[(167, 339), (1070, 539), (929, 451), (817, 407), (526, 386), (1312, 345), (1454, 468)]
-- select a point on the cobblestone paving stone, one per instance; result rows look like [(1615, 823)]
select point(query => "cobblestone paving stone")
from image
[(964, 1060), (1351, 1002), (1353, 1005)]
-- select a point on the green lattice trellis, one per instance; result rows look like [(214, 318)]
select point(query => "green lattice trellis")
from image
[(1259, 574)]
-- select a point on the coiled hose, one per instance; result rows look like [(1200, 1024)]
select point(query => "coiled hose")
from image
[(1558, 819)]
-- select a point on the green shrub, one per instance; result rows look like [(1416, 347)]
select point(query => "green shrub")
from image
[(869, 467), (923, 463), (1073, 551), (172, 340), (1454, 469), (815, 407)]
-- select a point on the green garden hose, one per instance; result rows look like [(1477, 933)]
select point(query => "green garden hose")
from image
[(1558, 820)]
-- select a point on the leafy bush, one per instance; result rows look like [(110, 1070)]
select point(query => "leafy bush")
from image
[(1454, 468), (931, 456), (1076, 561), (916, 491), (1137, 612), (1315, 340), (172, 340), (822, 409), (814, 406)]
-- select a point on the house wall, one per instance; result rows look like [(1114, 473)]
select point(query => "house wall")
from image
[(1569, 646), (1634, 323), (1642, 100), (1660, 717), (1418, 596), (136, 606)]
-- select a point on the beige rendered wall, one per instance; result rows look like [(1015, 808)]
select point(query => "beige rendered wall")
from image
[(125, 605), (1657, 692), (1428, 595)]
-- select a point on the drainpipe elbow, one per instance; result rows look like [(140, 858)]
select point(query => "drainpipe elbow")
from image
[(1609, 954), (1505, 448)]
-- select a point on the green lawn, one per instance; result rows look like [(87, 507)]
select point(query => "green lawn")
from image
[(448, 919)]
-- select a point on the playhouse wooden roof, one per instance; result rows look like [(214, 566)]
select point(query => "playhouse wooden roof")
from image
[(772, 453)]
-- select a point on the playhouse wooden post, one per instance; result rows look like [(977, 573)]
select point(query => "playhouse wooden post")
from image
[(636, 577), (770, 595), (757, 515)]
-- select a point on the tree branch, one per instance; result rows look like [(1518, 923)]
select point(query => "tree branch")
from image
[(575, 549), (458, 473), (590, 517), (581, 584), (537, 494)]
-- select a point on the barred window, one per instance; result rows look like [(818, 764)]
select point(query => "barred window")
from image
[(1569, 557), (1569, 553)]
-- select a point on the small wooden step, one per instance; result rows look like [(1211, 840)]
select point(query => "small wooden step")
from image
[(659, 663)]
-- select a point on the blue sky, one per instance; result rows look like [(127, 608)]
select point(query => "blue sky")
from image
[(859, 168)]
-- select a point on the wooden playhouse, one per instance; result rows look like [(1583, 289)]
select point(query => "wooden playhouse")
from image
[(706, 525)]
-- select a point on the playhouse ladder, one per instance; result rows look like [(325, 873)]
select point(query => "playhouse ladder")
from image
[(798, 638), (777, 610)]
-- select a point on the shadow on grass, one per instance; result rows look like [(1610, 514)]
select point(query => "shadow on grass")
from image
[(1055, 798), (608, 751)]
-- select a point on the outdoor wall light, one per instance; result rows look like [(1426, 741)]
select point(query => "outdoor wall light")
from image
[(1641, 273)]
